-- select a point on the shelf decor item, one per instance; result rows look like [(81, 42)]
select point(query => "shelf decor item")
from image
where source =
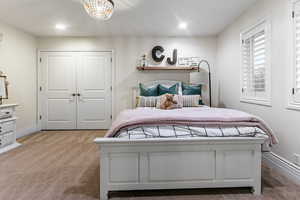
[(189, 61), (99, 9), (173, 60), (184, 61), (194, 61), (157, 54), (144, 61)]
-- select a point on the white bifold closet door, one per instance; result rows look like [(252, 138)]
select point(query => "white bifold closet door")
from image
[(75, 90), (94, 88), (296, 24)]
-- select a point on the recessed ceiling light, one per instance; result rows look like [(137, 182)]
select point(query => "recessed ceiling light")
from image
[(60, 27), (182, 25)]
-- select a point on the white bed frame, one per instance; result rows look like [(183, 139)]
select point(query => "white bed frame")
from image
[(179, 163)]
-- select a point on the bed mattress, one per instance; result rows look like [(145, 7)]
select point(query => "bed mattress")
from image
[(176, 131)]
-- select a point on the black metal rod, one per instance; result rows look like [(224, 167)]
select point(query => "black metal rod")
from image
[(209, 79)]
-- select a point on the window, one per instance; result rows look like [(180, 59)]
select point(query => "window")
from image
[(295, 92), (256, 73)]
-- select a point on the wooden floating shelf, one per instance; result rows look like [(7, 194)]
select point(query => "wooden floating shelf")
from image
[(167, 68)]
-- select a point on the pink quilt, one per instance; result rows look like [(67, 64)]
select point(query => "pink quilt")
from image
[(200, 116)]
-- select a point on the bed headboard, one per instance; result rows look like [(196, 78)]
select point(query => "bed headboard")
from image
[(167, 83)]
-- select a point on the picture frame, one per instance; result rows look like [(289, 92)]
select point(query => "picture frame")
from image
[(3, 88), (195, 61), (189, 61), (184, 61)]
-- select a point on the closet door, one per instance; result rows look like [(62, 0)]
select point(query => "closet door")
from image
[(58, 90), (94, 90)]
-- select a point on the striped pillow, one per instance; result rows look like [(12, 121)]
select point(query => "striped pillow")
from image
[(191, 100), (146, 101)]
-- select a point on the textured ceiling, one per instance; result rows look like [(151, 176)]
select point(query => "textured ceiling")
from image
[(131, 17)]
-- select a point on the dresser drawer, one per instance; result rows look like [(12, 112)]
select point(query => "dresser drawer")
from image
[(6, 127), (7, 139), (6, 113), (1, 140)]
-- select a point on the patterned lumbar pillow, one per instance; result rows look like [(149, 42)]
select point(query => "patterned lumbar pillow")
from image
[(191, 100), (146, 101), (165, 90), (192, 90), (148, 91), (169, 101)]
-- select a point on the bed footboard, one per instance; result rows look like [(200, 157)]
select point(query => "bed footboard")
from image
[(179, 164)]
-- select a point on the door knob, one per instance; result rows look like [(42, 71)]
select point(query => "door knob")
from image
[(73, 94), (78, 94)]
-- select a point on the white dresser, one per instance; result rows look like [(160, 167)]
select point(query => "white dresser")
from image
[(8, 127)]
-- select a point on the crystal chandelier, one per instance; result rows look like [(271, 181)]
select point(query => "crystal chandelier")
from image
[(99, 9)]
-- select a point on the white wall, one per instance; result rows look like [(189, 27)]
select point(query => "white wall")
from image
[(18, 61), (286, 123), (127, 52)]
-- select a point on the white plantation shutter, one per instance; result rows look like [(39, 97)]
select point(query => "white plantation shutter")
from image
[(255, 63), (247, 70), (296, 84)]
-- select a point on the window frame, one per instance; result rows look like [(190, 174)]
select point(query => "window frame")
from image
[(265, 25)]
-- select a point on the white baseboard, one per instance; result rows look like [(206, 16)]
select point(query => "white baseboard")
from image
[(27, 131), (283, 166), (9, 147)]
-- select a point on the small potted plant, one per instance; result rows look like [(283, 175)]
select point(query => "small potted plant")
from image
[(144, 61)]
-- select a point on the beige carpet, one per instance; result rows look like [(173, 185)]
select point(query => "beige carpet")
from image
[(65, 166)]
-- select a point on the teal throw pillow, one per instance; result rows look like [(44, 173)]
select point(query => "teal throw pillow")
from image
[(191, 89), (148, 91), (164, 90)]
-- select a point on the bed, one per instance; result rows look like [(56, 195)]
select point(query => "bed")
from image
[(149, 149)]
